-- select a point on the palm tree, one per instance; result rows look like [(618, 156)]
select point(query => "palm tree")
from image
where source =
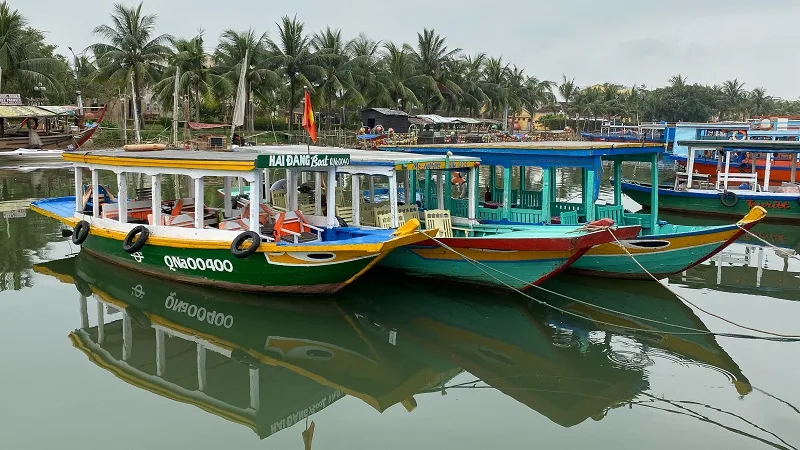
[(130, 50), (229, 55), (734, 94), (538, 93), (760, 101), (341, 69), (196, 74), (399, 78), (494, 84), (18, 52), (568, 91), (677, 81), (431, 56), (291, 56)]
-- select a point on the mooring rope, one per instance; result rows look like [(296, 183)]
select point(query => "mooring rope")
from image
[(693, 331), (622, 246), (782, 251)]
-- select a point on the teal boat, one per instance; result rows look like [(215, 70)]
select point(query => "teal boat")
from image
[(663, 249)]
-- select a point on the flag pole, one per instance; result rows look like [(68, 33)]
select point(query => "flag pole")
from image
[(305, 108)]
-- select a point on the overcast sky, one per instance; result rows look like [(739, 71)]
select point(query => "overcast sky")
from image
[(646, 42)]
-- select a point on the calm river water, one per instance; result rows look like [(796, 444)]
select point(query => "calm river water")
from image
[(95, 357)]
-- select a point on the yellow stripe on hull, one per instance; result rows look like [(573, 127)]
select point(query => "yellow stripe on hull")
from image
[(674, 243)]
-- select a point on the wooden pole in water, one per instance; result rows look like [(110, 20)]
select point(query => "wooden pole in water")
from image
[(654, 194)]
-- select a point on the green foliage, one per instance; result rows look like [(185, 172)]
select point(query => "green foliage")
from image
[(555, 121)]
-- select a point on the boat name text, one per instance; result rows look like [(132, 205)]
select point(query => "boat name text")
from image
[(312, 161), (212, 317), (769, 205), (214, 265), (292, 419)]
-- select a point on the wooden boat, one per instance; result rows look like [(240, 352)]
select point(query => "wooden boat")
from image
[(249, 248), (691, 193), (662, 249), (259, 362), (464, 251), (144, 147), (545, 359), (52, 124)]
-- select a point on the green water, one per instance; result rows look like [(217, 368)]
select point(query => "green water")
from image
[(389, 363)]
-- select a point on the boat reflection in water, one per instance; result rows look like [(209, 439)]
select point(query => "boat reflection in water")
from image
[(554, 361), (748, 269), (264, 364), (271, 363)]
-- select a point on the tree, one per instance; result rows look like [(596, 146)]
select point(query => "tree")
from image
[(231, 51), (130, 50), (431, 56), (25, 58), (734, 94), (291, 56), (399, 78), (677, 81), (760, 101), (340, 69), (568, 91)]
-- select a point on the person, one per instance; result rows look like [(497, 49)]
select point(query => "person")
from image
[(34, 141)]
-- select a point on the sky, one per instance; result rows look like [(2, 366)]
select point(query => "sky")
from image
[(645, 42)]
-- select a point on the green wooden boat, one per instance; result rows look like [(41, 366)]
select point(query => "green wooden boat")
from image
[(662, 249), (736, 190)]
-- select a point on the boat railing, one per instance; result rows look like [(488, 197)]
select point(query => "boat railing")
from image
[(559, 207), (527, 215), (531, 200), (489, 213), (459, 207)]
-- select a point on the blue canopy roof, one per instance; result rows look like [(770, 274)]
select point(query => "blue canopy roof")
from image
[(540, 154)]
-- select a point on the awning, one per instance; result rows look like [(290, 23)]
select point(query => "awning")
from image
[(11, 112), (206, 126), (68, 110)]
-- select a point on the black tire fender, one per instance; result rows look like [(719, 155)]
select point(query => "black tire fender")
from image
[(81, 232), (236, 245), (136, 239), (729, 199)]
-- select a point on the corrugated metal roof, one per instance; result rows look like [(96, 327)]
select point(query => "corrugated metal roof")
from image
[(8, 112), (435, 118), (61, 110), (420, 121), (389, 112)]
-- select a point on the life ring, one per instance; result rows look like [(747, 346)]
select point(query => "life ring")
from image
[(80, 233), (736, 134), (135, 239), (236, 245), (729, 199)]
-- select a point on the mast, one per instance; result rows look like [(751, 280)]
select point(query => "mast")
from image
[(175, 106), (239, 106)]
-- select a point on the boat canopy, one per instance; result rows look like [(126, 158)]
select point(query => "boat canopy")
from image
[(176, 161), (543, 153), (762, 146), (20, 112)]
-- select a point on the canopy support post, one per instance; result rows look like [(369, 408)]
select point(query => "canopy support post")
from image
[(95, 194), (122, 196), (546, 188), (161, 353), (521, 183), (101, 322), (156, 201), (255, 201), (371, 189), (331, 197), (199, 203), (618, 182), (440, 189), (227, 200), (766, 172), (588, 199), (411, 196), (84, 311), (393, 199), (653, 193), (428, 189), (793, 173), (493, 182), (291, 190), (507, 192), (356, 196), (472, 203), (255, 397), (79, 190), (202, 377), (317, 193)]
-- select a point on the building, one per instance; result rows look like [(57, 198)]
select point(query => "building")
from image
[(389, 118)]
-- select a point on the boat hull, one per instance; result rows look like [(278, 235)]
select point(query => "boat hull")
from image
[(499, 262), (662, 255), (779, 207), (313, 268)]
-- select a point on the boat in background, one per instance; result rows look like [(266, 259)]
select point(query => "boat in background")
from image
[(733, 193), (46, 129), (649, 133)]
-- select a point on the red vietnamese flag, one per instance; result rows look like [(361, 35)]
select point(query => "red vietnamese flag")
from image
[(308, 119)]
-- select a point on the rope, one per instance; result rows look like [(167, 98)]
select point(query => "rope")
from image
[(782, 251), (696, 306), (693, 331)]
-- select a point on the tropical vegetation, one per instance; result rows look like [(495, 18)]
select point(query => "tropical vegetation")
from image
[(429, 75)]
